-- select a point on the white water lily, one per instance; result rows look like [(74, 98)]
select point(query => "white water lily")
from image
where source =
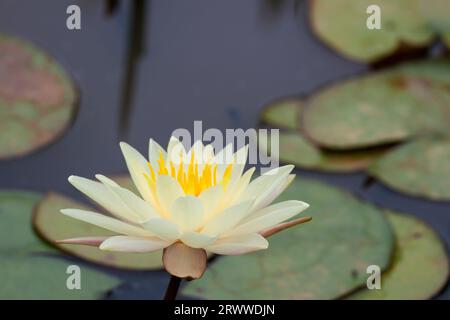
[(201, 199)]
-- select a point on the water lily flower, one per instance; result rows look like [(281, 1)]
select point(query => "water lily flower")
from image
[(194, 197)]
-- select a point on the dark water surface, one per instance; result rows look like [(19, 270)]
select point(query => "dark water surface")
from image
[(210, 60)]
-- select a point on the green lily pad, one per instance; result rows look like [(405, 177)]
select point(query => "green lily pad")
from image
[(295, 149), (341, 24), (31, 269), (381, 108), (420, 168), (52, 226), (37, 98), (283, 113), (420, 266), (45, 277), (323, 259)]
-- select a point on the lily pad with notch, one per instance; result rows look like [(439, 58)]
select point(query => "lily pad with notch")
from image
[(325, 259), (420, 266)]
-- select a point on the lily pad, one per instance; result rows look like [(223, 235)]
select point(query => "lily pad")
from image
[(436, 12), (284, 113), (342, 24), (295, 149), (382, 108), (324, 259), (52, 226), (420, 266), (37, 98), (31, 269), (420, 168)]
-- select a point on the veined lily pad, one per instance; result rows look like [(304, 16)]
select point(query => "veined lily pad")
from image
[(295, 149), (420, 168), (29, 268), (324, 259), (420, 267), (37, 98), (342, 24), (53, 226), (284, 113), (382, 108)]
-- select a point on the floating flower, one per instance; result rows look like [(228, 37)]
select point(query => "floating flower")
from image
[(189, 200)]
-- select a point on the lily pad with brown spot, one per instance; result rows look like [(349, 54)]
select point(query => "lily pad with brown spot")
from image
[(52, 226), (342, 24), (324, 259), (284, 113), (420, 266), (295, 149), (37, 98), (419, 168), (382, 108)]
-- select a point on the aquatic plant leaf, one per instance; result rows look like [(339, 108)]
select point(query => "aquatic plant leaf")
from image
[(323, 259), (37, 98), (420, 267)]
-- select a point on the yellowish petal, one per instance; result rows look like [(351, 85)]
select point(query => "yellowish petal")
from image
[(163, 228), (197, 240), (137, 166), (133, 244), (105, 222), (268, 217), (167, 190), (227, 219), (239, 245), (187, 213)]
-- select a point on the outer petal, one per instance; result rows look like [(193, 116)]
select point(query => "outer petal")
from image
[(268, 217), (197, 240), (263, 186), (227, 219), (239, 245), (137, 166), (105, 222), (187, 213), (133, 244), (104, 197), (270, 197), (87, 241), (167, 190), (163, 228), (175, 150), (141, 208)]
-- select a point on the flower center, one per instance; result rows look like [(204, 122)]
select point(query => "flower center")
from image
[(194, 177)]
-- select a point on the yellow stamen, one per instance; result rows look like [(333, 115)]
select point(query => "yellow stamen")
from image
[(193, 181)]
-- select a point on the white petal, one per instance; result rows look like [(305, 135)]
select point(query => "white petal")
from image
[(264, 185), (167, 190), (162, 228), (239, 245), (271, 196), (268, 217), (227, 219), (211, 199), (105, 222), (154, 153), (133, 244), (101, 194), (142, 209), (137, 166), (233, 197), (197, 240), (187, 213)]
